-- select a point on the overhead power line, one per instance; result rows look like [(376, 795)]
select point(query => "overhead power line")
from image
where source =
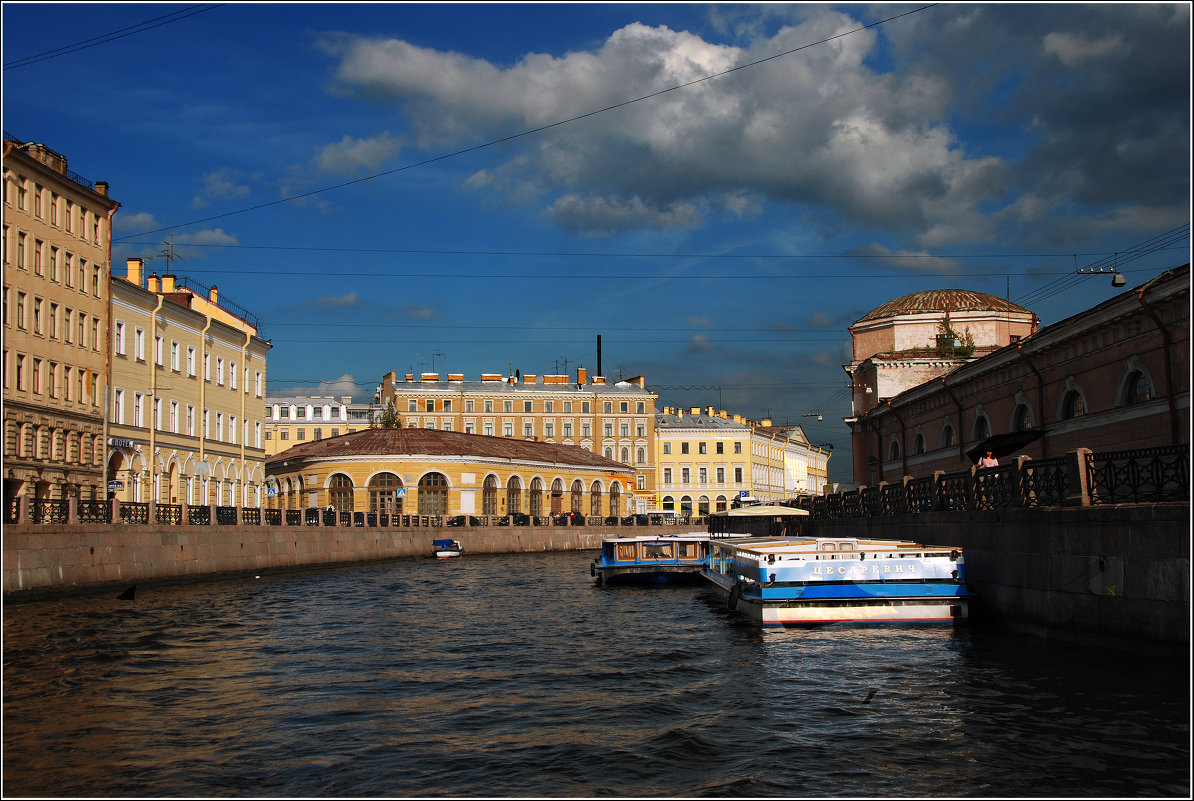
[(141, 27), (536, 130)]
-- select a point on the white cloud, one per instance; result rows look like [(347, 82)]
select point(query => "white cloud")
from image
[(1074, 49), (351, 299), (224, 183), (594, 216), (351, 156)]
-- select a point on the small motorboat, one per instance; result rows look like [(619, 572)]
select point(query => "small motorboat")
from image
[(446, 549)]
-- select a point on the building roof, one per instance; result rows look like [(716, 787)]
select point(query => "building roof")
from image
[(665, 421), (940, 301), (432, 442)]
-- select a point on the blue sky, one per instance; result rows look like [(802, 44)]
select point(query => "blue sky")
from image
[(469, 188)]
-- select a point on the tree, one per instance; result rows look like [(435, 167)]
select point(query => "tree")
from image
[(949, 343), (388, 418)]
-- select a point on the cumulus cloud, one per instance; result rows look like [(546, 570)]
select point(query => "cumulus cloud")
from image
[(875, 253), (908, 138), (223, 184), (342, 386), (124, 222), (352, 156)]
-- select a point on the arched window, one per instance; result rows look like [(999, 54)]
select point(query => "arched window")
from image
[(722, 503), (595, 499), (894, 450), (1022, 418), (947, 436), (557, 496), (626, 456), (703, 505), (1137, 389), (669, 505), (686, 506), (339, 490), (609, 454), (433, 494), (1072, 405), (615, 499), (918, 445), (383, 494), (578, 491), (641, 456), (514, 496), (982, 429), (536, 497), (489, 495)]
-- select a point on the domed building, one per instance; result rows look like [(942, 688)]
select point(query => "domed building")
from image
[(924, 335)]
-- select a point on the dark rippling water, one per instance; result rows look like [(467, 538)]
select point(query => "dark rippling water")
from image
[(512, 675)]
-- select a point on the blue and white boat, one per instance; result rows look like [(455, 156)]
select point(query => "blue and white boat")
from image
[(814, 581), (652, 559), (447, 549)]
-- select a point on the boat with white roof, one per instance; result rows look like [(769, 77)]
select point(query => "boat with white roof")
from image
[(653, 559), (813, 581)]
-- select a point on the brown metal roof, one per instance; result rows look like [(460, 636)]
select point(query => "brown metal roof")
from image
[(941, 301), (430, 442)]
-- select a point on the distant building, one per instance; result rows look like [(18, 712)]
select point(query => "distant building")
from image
[(435, 472), (709, 458), (616, 421), (1114, 377), (923, 336), (188, 391), (57, 237), (294, 419)]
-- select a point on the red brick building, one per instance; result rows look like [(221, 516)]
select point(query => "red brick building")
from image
[(1114, 377)]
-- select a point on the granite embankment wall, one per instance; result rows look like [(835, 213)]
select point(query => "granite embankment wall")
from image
[(52, 559), (1110, 575)]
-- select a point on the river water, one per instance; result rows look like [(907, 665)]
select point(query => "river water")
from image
[(513, 675)]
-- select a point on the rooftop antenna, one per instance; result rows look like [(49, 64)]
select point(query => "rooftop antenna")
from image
[(169, 254)]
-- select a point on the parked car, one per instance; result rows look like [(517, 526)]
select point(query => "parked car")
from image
[(569, 518), (520, 519), (463, 520), (612, 520), (635, 520)]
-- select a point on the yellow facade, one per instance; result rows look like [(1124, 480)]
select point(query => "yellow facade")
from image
[(187, 395), (397, 472), (57, 238), (293, 420)]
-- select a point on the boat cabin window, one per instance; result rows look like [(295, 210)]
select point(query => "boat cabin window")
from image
[(687, 550), (627, 552), (657, 550)]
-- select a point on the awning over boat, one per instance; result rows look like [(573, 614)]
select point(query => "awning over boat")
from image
[(762, 510)]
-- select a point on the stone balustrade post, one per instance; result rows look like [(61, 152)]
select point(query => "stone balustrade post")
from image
[(1078, 492), (211, 511), (1017, 479), (938, 500), (72, 509)]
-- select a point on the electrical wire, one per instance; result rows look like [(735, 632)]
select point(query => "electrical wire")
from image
[(120, 33)]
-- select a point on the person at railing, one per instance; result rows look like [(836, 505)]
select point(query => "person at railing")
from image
[(989, 460)]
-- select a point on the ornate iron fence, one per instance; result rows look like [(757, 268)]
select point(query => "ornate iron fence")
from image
[(250, 517), (134, 513), (1139, 476), (920, 495), (12, 510), (168, 513), (892, 499), (311, 515), (294, 517), (199, 515), (1044, 482), (273, 517), (52, 511), (995, 488), (953, 491), (226, 515), (95, 512)]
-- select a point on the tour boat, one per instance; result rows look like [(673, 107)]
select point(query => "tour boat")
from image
[(812, 581), (676, 558), (446, 549)]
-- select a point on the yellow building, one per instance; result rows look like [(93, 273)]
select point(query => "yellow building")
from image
[(57, 241), (188, 392), (435, 472), (295, 419), (616, 420), (709, 458)]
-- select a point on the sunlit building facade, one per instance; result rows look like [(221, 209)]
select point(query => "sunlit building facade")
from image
[(57, 241)]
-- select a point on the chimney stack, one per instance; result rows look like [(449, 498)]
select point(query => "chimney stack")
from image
[(134, 270)]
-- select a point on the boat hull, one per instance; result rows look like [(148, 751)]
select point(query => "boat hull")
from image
[(647, 576), (447, 554)]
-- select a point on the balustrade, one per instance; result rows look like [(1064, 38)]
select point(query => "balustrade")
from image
[(168, 513), (1139, 476)]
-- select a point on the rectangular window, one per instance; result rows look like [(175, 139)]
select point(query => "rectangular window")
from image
[(38, 245), (549, 430), (157, 350), (508, 429), (412, 405), (139, 345), (737, 475), (95, 335), (585, 430), (157, 413), (174, 416), (284, 434), (232, 428), (21, 296), (53, 209), (488, 406), (37, 201), (609, 407), (68, 270), (317, 434), (584, 407), (36, 377), (609, 429), (258, 381), (468, 406), (567, 430), (138, 410), (641, 430), (526, 407), (642, 407), (190, 420), (528, 429), (667, 475), (52, 380), (232, 375), (567, 407), (507, 406), (448, 408), (67, 324), (53, 321), (719, 447), (174, 356), (685, 475), (683, 447), (625, 429), (489, 429), (549, 407), (703, 475), (667, 448), (429, 406), (220, 371), (624, 406), (69, 217), (20, 373), (118, 406), (737, 447), (219, 426), (37, 303), (700, 447), (721, 475), (66, 377)]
